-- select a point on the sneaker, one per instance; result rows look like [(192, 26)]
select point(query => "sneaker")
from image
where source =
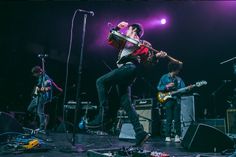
[(177, 139), (39, 131), (168, 139), (141, 138), (96, 123)]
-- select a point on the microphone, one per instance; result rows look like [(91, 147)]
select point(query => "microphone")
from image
[(87, 12), (42, 55)]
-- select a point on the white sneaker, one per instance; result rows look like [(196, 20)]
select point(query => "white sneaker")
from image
[(177, 139), (168, 139)]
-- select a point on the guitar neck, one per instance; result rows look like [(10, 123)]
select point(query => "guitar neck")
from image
[(182, 89), (169, 57), (139, 43)]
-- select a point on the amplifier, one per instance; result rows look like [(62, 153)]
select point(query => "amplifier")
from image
[(143, 103), (187, 113), (71, 105), (145, 117), (231, 121)]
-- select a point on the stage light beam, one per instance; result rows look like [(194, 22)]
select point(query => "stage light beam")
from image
[(163, 21)]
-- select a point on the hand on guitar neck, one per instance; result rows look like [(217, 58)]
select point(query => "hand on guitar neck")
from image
[(163, 54)]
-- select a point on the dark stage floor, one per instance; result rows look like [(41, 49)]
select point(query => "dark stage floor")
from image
[(91, 141)]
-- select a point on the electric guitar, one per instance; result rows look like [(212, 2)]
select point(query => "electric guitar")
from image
[(162, 97), (37, 90), (139, 44)]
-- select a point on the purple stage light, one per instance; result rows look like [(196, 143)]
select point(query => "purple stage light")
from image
[(163, 21)]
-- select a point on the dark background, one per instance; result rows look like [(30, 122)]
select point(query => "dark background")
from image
[(199, 33)]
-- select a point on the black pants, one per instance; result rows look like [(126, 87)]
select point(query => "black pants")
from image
[(123, 78), (172, 113)]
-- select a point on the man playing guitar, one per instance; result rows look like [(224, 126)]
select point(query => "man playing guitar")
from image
[(42, 95), (171, 82)]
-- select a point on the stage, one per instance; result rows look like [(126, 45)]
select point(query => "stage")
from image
[(60, 146), (66, 61)]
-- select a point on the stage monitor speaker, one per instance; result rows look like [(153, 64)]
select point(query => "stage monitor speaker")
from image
[(218, 123), (9, 124), (205, 138), (127, 131)]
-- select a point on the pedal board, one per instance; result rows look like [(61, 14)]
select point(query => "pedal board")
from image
[(119, 152)]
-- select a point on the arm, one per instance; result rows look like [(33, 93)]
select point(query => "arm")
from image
[(114, 40), (162, 84), (57, 87), (163, 54)]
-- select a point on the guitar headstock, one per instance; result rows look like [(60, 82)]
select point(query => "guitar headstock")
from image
[(200, 83)]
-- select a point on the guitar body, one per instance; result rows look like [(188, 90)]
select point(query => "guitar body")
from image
[(163, 97), (35, 91)]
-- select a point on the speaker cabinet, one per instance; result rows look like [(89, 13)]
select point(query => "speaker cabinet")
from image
[(205, 138), (145, 118), (187, 113), (231, 121)]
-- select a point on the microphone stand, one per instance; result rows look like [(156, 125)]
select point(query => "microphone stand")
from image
[(226, 61), (213, 94), (42, 57), (78, 98)]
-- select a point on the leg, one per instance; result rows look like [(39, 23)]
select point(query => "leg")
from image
[(120, 75), (41, 114), (141, 135), (177, 118), (169, 112), (33, 104), (116, 76)]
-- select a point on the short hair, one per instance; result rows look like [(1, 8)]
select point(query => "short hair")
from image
[(174, 66), (139, 29), (36, 70)]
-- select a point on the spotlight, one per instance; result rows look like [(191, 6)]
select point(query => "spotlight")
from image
[(163, 21)]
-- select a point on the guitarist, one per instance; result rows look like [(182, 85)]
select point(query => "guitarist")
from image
[(123, 77), (171, 82), (42, 95)]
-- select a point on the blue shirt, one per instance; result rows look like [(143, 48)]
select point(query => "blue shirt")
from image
[(45, 82), (166, 79)]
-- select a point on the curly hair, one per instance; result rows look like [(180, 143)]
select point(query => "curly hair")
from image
[(173, 66)]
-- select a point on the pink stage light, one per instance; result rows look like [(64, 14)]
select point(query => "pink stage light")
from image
[(163, 21)]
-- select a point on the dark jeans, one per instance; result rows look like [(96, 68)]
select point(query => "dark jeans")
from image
[(172, 113), (123, 78), (37, 105)]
